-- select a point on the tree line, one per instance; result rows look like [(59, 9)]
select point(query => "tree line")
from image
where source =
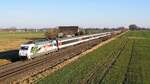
[(133, 27)]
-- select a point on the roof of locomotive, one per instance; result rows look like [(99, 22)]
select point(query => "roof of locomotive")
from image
[(39, 41)]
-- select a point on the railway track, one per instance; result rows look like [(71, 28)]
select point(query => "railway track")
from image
[(22, 70)]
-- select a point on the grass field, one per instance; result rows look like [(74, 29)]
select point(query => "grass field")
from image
[(12, 40), (122, 61)]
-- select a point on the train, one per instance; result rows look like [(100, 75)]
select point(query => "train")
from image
[(41, 47)]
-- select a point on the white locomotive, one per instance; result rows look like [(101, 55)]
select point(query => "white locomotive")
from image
[(44, 46)]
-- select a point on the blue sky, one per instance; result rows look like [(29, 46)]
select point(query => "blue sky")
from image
[(85, 13)]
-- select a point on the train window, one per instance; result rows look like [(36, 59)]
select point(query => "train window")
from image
[(53, 42), (66, 42), (24, 48), (85, 38)]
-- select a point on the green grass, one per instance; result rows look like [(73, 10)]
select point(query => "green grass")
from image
[(131, 67), (12, 40), (116, 73)]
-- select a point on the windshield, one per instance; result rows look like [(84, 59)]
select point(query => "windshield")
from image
[(24, 48)]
